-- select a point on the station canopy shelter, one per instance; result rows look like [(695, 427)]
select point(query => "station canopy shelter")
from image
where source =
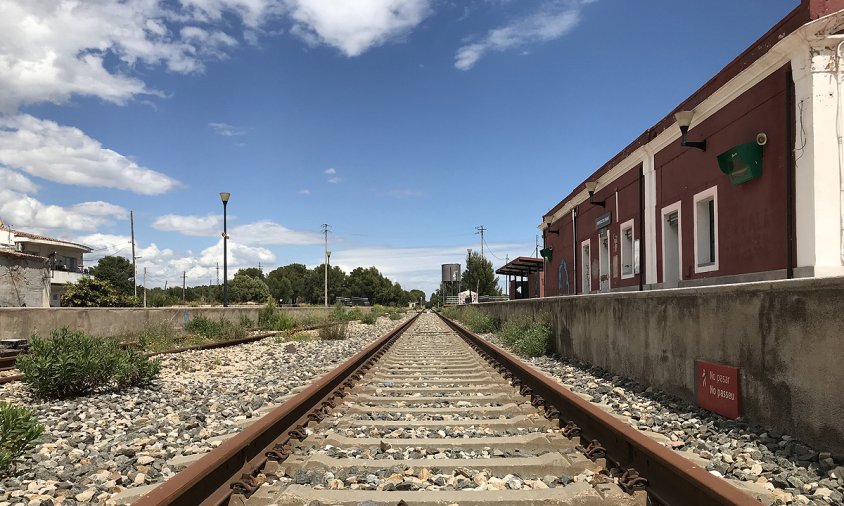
[(525, 279)]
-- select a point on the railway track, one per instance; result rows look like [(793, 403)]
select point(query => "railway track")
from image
[(431, 414)]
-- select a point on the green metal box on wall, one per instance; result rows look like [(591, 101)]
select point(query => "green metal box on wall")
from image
[(742, 163)]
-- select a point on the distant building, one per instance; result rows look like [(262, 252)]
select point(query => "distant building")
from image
[(63, 260), (751, 188), (24, 280)]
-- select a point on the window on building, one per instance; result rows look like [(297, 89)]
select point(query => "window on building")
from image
[(628, 262), (706, 230)]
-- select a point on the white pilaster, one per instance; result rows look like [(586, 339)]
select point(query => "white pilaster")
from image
[(818, 171), (650, 218)]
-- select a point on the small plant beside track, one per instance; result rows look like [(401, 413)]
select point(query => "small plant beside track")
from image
[(19, 432), (214, 330), (333, 332), (527, 338), (72, 363)]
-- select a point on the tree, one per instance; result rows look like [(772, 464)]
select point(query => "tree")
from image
[(295, 275), (92, 292), (117, 271), (245, 288), (417, 296), (252, 271), (479, 276)]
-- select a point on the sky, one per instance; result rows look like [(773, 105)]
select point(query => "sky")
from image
[(403, 124)]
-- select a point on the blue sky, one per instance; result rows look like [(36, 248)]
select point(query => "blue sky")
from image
[(404, 124)]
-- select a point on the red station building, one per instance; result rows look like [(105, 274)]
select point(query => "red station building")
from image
[(743, 181)]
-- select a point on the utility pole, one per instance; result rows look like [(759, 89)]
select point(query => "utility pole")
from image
[(481, 230), (184, 283), (536, 250), (145, 287), (134, 264), (218, 275), (325, 262), (507, 286)]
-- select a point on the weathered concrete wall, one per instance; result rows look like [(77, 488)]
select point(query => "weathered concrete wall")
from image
[(23, 322), (24, 281), (786, 336)]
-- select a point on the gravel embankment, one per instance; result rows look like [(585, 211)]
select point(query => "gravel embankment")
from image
[(793, 472), (96, 446)]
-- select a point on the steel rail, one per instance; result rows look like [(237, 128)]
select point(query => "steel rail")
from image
[(672, 479), (209, 480)]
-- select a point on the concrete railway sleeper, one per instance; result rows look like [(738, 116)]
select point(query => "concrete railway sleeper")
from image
[(431, 414)]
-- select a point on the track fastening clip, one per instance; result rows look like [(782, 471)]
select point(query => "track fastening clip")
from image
[(595, 450), (631, 481)]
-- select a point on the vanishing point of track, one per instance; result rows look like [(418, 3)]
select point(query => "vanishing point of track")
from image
[(432, 414)]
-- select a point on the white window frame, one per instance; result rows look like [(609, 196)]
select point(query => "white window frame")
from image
[(666, 211), (710, 193), (584, 262), (625, 226)]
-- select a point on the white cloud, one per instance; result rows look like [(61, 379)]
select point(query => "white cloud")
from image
[(30, 214), (66, 155), (264, 232), (12, 180), (550, 22), (226, 130), (354, 26), (166, 265), (203, 226), (335, 179), (331, 170), (268, 232), (304, 191), (52, 50)]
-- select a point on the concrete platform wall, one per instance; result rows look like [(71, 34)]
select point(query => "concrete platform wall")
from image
[(786, 336), (23, 322)]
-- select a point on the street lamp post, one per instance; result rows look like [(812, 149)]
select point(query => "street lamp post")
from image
[(224, 196)]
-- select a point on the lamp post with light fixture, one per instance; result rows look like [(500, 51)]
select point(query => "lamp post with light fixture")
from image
[(684, 120), (224, 196)]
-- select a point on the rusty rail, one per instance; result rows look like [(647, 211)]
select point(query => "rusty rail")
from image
[(209, 480), (671, 479)]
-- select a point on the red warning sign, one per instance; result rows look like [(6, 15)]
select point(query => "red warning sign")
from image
[(718, 388)]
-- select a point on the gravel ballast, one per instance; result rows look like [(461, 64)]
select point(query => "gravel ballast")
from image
[(791, 471), (99, 445)]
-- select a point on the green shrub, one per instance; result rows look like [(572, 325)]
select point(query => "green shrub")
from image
[(246, 322), (158, 336), (93, 292), (71, 363), (369, 318), (333, 332), (527, 338), (19, 430), (282, 321), (396, 315), (219, 330), (477, 321), (267, 313)]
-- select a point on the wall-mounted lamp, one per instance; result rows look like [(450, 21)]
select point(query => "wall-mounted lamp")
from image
[(547, 222), (591, 186), (684, 119)]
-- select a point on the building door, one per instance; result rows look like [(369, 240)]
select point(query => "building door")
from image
[(586, 269), (671, 253), (604, 261)]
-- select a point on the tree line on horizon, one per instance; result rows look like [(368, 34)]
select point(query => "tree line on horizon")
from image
[(112, 285)]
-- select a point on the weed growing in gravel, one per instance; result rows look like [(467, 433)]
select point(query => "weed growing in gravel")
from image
[(246, 322), (214, 330), (298, 337), (72, 363), (333, 332), (369, 318), (477, 321), (527, 338), (19, 430), (158, 336)]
